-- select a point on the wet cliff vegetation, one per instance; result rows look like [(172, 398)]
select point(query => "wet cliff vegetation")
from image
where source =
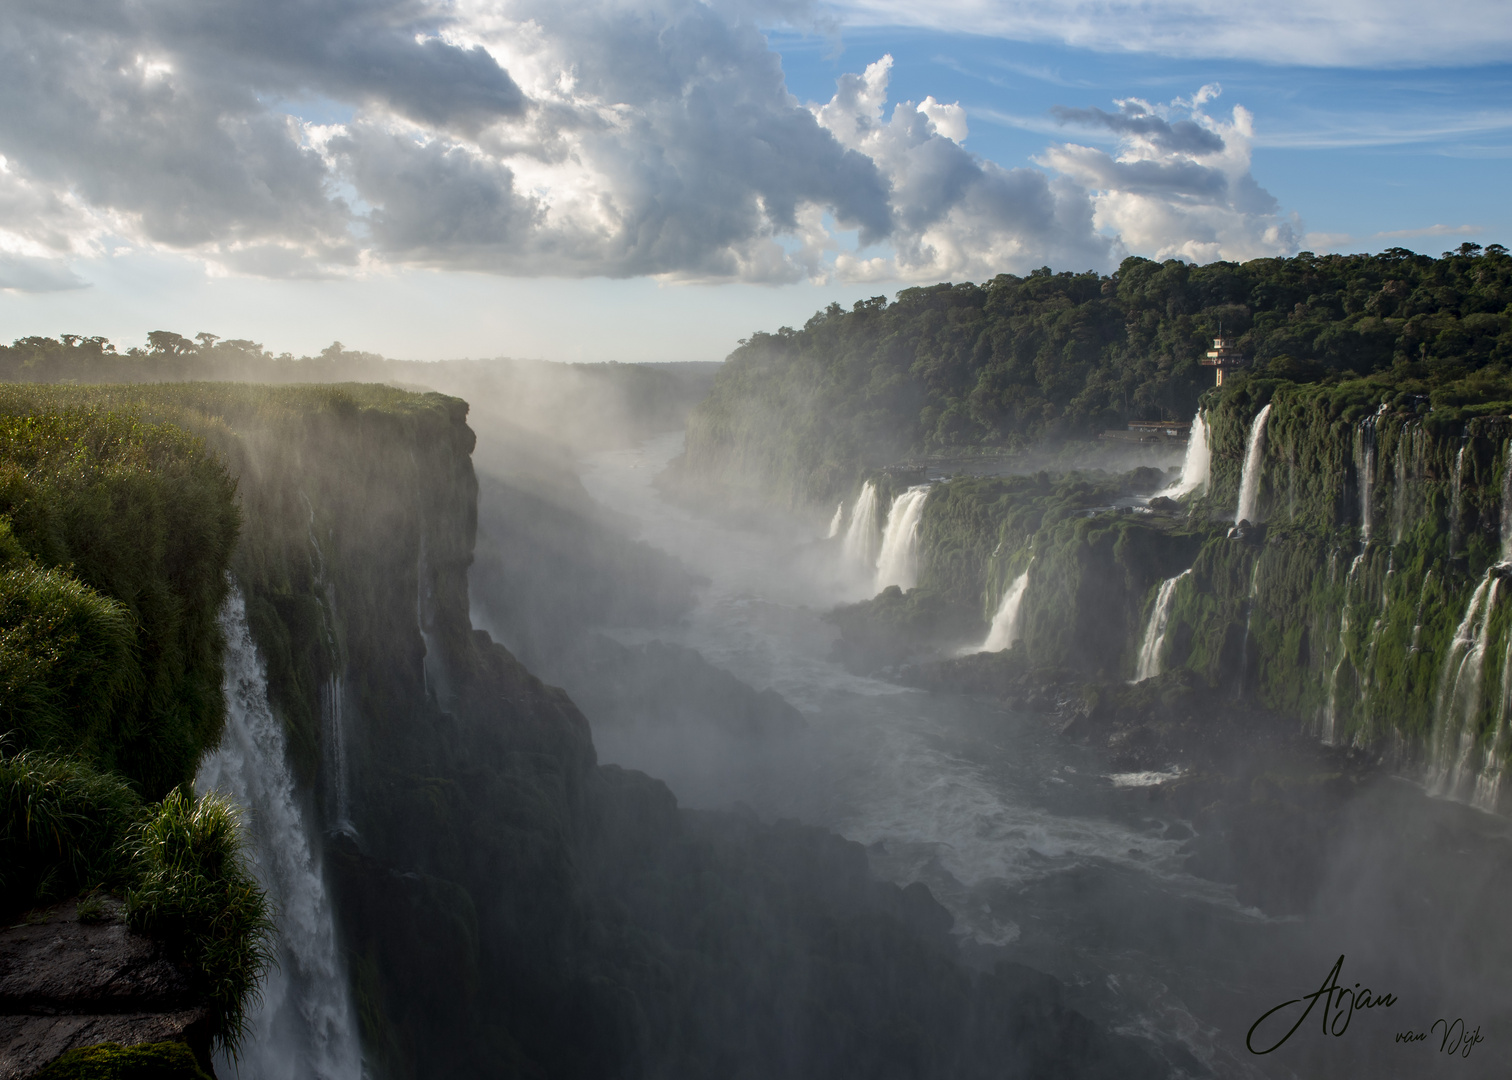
[(115, 536), (798, 416)]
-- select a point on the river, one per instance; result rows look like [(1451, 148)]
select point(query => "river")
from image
[(1045, 856)]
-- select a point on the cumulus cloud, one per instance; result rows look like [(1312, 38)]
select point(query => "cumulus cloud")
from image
[(957, 214), (1179, 185), (306, 138)]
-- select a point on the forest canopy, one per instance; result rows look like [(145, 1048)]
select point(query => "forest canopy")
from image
[(1021, 360)]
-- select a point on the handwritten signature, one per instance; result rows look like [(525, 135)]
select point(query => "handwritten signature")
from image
[(1339, 1005)]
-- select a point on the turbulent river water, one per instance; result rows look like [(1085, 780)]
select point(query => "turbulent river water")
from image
[(1047, 857)]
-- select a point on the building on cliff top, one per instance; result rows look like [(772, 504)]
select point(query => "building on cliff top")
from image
[(1225, 357)]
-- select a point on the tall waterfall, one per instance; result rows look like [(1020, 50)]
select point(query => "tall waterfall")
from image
[(304, 1029), (1254, 462), (836, 521), (1196, 466), (1506, 505), (1456, 500), (1459, 695), (859, 547), (1155, 629), (898, 563), (1004, 631), (1365, 470)]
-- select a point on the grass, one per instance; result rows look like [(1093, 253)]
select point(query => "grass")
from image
[(67, 828), (192, 889)]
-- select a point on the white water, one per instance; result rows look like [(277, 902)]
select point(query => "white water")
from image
[(1004, 630), (836, 521), (1155, 629), (898, 562), (1459, 696), (1254, 463), (304, 1028), (1506, 505), (1455, 501), (1196, 467), (1026, 838), (1365, 470), (859, 548)]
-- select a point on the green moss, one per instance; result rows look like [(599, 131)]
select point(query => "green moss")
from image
[(112, 1061)]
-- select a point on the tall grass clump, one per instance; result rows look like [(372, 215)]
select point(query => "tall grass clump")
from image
[(61, 825), (193, 891)]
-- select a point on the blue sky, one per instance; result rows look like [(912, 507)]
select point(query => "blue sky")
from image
[(628, 179)]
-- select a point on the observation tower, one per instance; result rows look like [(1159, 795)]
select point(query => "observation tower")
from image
[(1225, 357)]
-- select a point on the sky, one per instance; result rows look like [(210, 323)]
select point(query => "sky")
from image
[(655, 179)]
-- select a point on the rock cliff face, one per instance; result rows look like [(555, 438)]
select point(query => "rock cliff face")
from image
[(67, 983), (1365, 594), (510, 907)]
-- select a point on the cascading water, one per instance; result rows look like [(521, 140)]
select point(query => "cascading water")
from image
[(836, 521), (1331, 710), (1254, 463), (859, 548), (304, 1028), (1459, 696), (1506, 505), (1196, 466), (1365, 469), (1155, 630), (1455, 500), (1004, 630), (332, 698), (898, 562), (437, 684)]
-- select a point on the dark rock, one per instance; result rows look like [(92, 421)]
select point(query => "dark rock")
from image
[(67, 983)]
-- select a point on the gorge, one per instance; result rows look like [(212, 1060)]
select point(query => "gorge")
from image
[(843, 745)]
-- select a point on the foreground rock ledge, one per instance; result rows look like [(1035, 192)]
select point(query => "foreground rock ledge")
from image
[(66, 984)]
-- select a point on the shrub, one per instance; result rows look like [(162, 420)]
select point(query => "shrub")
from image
[(61, 823), (193, 891)]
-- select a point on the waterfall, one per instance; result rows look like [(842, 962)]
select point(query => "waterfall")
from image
[(1196, 466), (1488, 784), (1249, 618), (1004, 631), (836, 521), (333, 725), (1454, 499), (1331, 714), (304, 1028), (1459, 696), (1365, 467), (1254, 463), (433, 667), (1506, 506), (1155, 629), (898, 563), (859, 547)]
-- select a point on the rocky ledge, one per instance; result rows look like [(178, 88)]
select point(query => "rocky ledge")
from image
[(72, 978)]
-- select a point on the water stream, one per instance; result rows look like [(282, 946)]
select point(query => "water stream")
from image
[(304, 1028)]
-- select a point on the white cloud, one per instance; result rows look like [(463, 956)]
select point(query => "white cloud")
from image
[(617, 138), (1338, 33), (1179, 184)]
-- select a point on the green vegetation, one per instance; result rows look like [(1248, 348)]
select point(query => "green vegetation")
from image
[(116, 536), (799, 416), (112, 1061), (67, 828), (117, 529), (191, 888)]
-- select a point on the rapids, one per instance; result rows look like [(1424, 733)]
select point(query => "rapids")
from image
[(1044, 854)]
